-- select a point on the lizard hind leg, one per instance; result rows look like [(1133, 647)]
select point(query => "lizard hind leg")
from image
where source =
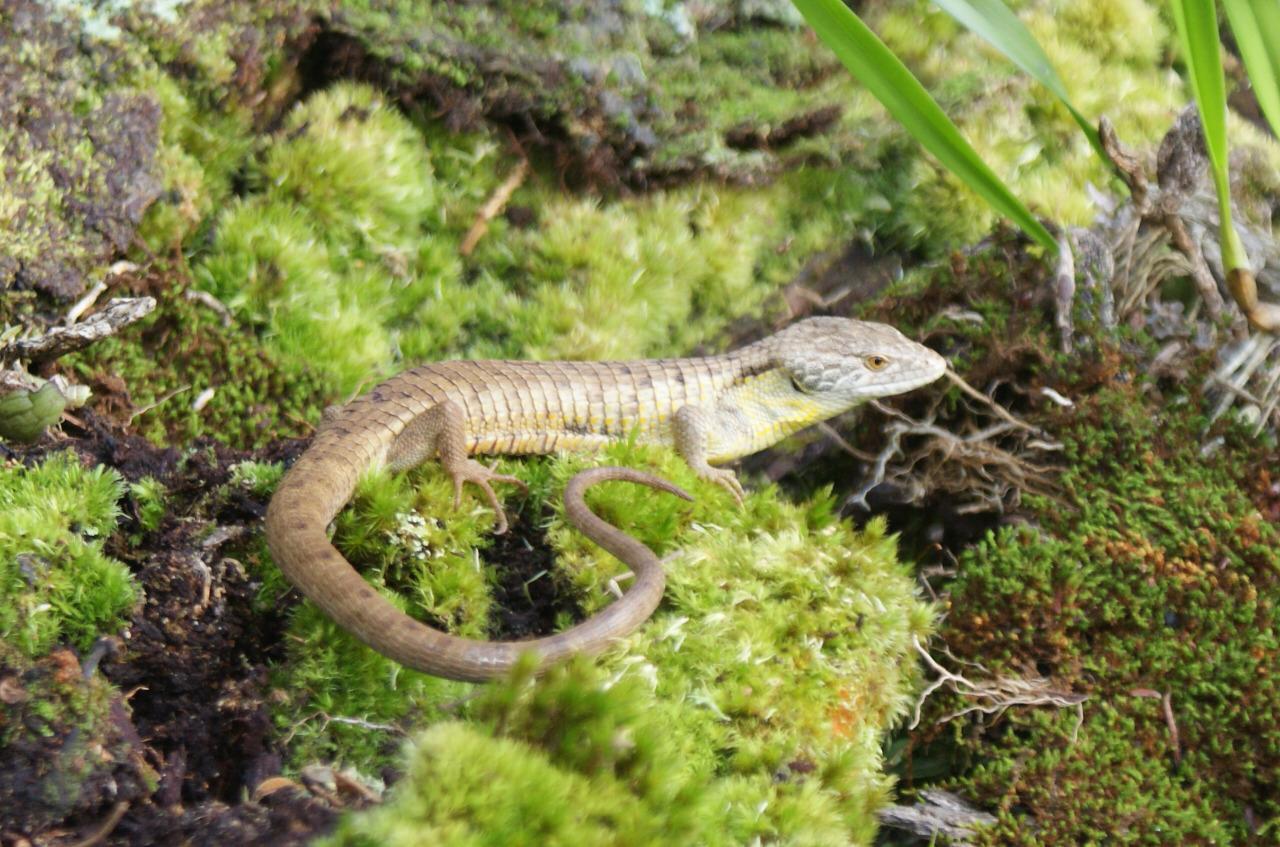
[(442, 431)]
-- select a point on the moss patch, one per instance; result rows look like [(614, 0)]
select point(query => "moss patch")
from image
[(56, 583), (1158, 575), (347, 258), (759, 690), (337, 249), (186, 371), (66, 743)]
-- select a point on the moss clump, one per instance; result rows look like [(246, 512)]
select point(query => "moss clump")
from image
[(620, 277), (150, 503), (152, 373), (568, 761), (357, 167), (631, 278), (1158, 575), (537, 803), (200, 151), (756, 696), (56, 583), (337, 250), (346, 257)]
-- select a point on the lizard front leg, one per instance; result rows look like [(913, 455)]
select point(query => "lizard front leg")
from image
[(691, 431), (442, 431)]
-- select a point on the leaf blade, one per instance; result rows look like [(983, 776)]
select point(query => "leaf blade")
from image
[(1256, 27), (875, 66), (992, 21), (1197, 24)]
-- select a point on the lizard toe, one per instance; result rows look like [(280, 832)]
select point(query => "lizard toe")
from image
[(727, 480), (482, 477), (499, 513)]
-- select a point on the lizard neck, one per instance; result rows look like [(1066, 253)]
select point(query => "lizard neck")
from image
[(760, 410)]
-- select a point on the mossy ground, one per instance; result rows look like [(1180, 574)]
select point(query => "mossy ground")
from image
[(57, 585), (1156, 575), (68, 747), (77, 149), (748, 707), (211, 380), (316, 171)]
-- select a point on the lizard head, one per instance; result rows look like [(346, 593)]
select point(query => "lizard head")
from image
[(843, 362)]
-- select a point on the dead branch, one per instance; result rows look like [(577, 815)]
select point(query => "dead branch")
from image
[(937, 813), (60, 340)]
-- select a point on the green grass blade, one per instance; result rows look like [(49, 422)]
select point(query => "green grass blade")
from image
[(1198, 34), (992, 21), (875, 66), (1256, 26)]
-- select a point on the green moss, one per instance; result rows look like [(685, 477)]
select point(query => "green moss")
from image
[(1157, 573), (1098, 782), (581, 759), (182, 351), (150, 502), (537, 803), (271, 266), (258, 478), (201, 149), (782, 647), (631, 278), (56, 583), (337, 250), (348, 266), (357, 167)]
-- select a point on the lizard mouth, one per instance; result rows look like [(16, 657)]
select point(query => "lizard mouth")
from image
[(931, 367)]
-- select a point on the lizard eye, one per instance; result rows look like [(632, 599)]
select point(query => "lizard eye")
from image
[(876, 362), (798, 386)]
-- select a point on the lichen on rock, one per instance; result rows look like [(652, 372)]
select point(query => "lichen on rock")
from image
[(76, 152)]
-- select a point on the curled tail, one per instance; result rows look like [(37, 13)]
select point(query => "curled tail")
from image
[(317, 487)]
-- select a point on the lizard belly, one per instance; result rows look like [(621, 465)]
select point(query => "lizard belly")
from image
[(527, 442)]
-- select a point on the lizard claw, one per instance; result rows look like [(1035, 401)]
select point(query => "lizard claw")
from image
[(727, 480), (473, 471), (503, 477)]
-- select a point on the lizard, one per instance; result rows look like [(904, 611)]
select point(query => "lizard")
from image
[(711, 409)]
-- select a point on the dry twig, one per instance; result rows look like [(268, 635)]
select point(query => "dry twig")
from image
[(105, 828), (494, 206), (61, 340)]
